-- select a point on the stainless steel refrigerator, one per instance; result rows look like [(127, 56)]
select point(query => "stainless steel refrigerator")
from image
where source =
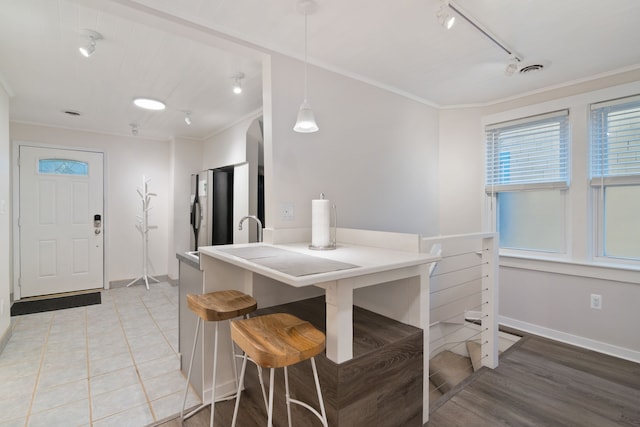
[(212, 207)]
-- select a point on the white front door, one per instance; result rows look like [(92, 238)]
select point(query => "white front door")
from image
[(61, 209)]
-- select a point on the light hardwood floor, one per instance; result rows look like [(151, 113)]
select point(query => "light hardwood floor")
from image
[(539, 383)]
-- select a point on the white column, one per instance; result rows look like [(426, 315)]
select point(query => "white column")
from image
[(339, 300)]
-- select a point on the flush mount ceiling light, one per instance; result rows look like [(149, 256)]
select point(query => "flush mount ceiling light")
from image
[(87, 49), (306, 122), (514, 57), (444, 15), (149, 104), (237, 85)]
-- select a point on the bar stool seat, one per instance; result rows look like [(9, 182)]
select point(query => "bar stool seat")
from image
[(221, 305), (216, 307), (277, 341)]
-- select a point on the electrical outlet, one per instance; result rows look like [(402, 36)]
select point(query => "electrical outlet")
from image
[(286, 211), (596, 301)]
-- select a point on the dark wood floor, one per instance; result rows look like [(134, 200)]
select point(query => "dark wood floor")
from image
[(546, 383), (538, 383)]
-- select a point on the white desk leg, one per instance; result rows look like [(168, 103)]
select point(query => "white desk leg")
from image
[(424, 321), (339, 300)]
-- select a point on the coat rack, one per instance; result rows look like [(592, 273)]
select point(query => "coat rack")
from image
[(142, 224)]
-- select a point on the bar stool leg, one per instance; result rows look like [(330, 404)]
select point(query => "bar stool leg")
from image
[(213, 379), (239, 392), (270, 408), (287, 396), (315, 378), (193, 352)]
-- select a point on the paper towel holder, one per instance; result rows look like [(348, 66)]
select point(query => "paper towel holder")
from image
[(332, 242)]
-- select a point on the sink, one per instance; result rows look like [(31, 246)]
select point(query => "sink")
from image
[(256, 252), (284, 261)]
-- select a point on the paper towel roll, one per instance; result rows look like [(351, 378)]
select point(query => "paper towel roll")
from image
[(320, 223)]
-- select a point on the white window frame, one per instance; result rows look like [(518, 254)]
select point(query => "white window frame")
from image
[(598, 185), (580, 225), (496, 185)]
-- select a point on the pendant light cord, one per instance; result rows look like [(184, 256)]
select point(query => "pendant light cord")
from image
[(305, 57)]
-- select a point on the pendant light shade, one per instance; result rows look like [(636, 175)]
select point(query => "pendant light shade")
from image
[(306, 122)]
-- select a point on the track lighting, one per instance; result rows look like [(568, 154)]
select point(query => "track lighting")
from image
[(306, 122), (444, 15), (88, 49), (515, 58), (187, 118), (237, 85), (134, 129), (512, 66)]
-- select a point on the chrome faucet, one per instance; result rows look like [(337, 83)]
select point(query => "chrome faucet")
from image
[(257, 220)]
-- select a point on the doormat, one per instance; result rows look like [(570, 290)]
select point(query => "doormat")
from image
[(50, 304)]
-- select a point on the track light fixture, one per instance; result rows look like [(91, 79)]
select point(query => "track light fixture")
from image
[(514, 57), (306, 121), (444, 15), (134, 129), (512, 66), (187, 118), (90, 47), (237, 85)]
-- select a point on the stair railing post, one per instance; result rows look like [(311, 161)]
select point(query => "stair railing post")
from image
[(490, 287)]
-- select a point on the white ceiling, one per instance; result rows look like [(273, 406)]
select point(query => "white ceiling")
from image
[(166, 49)]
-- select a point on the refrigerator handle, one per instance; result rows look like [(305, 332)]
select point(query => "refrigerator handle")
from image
[(196, 217)]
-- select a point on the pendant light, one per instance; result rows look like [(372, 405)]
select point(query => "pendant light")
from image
[(306, 122)]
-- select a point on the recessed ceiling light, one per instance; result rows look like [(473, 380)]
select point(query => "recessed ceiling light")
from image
[(149, 104)]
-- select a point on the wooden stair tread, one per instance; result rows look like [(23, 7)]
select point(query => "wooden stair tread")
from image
[(221, 305), (277, 340)]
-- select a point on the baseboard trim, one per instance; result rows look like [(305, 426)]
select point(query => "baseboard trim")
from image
[(578, 341)]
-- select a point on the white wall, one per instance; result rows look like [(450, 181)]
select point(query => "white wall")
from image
[(228, 147), (375, 156), (127, 159), (5, 216), (461, 189), (186, 158), (549, 299)]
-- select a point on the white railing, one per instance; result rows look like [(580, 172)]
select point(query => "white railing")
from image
[(464, 294)]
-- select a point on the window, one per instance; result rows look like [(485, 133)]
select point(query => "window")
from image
[(615, 177), (63, 167), (527, 170)]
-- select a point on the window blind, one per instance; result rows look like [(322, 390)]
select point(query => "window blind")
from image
[(530, 153), (615, 142)]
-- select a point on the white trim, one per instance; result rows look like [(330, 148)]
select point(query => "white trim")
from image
[(603, 271), (578, 341)]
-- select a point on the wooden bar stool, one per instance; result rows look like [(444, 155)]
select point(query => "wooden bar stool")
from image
[(215, 307), (277, 341)]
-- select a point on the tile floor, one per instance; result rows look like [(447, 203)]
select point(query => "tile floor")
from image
[(112, 364)]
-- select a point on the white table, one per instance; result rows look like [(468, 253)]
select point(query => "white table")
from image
[(223, 270), (374, 266)]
